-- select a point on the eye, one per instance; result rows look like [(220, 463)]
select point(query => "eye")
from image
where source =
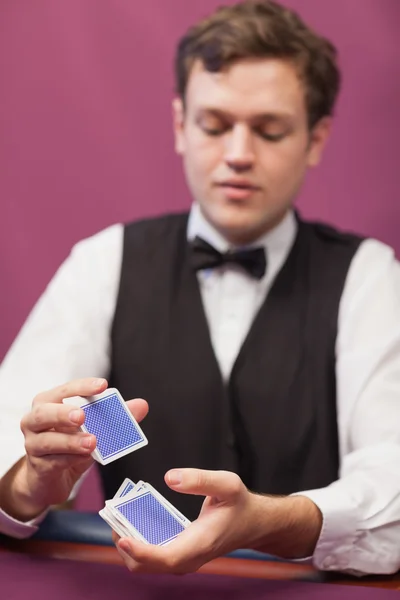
[(270, 137), (212, 125), (215, 131)]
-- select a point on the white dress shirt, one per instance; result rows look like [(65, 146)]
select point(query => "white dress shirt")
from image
[(67, 335)]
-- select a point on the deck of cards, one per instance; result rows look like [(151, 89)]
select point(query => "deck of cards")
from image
[(139, 511), (108, 418)]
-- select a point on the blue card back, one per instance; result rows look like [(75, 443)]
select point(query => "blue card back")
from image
[(128, 488), (150, 518), (107, 419)]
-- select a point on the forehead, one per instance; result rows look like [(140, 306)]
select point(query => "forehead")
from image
[(247, 87)]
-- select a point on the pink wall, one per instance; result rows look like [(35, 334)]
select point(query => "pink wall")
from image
[(86, 136)]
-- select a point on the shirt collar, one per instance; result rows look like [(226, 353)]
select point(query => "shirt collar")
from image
[(276, 242)]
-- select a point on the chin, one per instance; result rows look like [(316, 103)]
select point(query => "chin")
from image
[(234, 217), (238, 231), (237, 223)]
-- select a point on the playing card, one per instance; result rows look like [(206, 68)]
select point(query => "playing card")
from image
[(108, 418), (113, 523), (126, 487), (139, 486), (144, 514), (148, 518), (148, 486)]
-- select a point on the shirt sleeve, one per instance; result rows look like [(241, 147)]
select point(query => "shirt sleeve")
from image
[(361, 510), (66, 336), (16, 529)]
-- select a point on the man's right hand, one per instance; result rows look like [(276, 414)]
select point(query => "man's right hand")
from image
[(57, 452)]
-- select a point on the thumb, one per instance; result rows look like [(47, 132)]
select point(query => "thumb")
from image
[(221, 484), (139, 408)]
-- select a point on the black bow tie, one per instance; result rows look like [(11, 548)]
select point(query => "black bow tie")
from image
[(205, 256)]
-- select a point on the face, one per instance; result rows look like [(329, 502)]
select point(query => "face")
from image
[(245, 143)]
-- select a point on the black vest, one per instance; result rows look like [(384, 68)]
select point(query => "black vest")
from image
[(274, 423)]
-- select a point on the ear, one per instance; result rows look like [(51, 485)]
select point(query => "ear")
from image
[(178, 124), (318, 138)]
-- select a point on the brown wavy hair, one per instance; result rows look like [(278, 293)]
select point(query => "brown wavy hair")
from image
[(262, 29)]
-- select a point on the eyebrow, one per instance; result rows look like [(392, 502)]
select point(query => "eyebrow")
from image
[(268, 116)]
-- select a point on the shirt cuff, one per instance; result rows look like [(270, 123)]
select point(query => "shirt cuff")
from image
[(18, 529), (335, 546)]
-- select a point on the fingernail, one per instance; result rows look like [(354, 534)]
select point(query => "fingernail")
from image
[(97, 382), (86, 442), (75, 415), (175, 477)]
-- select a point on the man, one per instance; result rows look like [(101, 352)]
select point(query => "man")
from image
[(268, 348)]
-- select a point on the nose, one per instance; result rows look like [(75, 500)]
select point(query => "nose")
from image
[(239, 152)]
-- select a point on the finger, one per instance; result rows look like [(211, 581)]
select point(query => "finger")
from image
[(67, 429), (139, 408), (191, 549), (149, 560), (115, 537), (60, 417), (221, 484), (52, 442), (76, 387), (48, 416), (129, 562), (60, 462)]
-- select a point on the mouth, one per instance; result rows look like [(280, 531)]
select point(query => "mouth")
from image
[(238, 189)]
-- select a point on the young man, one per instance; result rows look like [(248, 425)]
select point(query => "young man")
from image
[(268, 348)]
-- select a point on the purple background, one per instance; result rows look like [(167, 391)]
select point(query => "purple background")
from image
[(86, 135)]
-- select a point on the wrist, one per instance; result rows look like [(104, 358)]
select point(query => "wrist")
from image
[(16, 497), (287, 526)]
